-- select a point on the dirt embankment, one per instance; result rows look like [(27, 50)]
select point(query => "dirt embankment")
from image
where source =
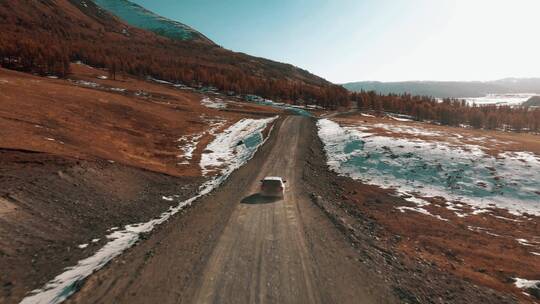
[(367, 216), (51, 207)]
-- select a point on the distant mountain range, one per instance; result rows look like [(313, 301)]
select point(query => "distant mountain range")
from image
[(136, 15), (452, 89)]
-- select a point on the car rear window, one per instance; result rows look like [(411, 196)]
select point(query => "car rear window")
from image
[(273, 183)]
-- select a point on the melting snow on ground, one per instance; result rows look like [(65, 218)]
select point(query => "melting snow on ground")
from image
[(407, 130), (228, 155), (420, 168), (528, 243), (399, 118), (159, 81), (213, 103), (527, 284), (90, 84), (85, 83), (233, 146), (188, 143)]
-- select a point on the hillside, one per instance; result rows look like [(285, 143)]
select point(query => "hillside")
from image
[(44, 37), (138, 16), (452, 89), (532, 102), (84, 154)]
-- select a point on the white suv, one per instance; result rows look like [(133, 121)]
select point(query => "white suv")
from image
[(272, 186)]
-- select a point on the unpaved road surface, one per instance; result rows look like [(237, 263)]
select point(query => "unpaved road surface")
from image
[(237, 247)]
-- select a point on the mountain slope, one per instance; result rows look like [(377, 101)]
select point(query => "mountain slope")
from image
[(452, 89), (138, 16), (45, 36), (532, 102)]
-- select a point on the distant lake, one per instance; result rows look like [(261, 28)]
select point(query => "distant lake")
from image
[(511, 99)]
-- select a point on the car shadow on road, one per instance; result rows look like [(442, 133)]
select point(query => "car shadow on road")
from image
[(257, 198)]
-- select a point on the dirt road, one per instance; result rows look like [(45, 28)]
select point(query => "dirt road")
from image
[(237, 247)]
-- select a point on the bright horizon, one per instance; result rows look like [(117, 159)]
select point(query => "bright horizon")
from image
[(348, 40)]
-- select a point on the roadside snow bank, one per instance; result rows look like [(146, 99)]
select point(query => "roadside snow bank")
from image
[(423, 168), (234, 146), (527, 285), (234, 156)]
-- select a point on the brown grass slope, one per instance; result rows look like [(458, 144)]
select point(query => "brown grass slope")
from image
[(138, 127)]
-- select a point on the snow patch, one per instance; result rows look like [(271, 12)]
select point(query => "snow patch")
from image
[(399, 118), (525, 242), (160, 81), (215, 103), (232, 147), (188, 143), (526, 284), (459, 173), (408, 130), (87, 83), (420, 210), (507, 219), (483, 230)]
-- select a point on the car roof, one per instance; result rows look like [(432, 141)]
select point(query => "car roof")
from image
[(273, 178)]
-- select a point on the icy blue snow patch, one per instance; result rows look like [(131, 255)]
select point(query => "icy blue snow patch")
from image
[(467, 174)]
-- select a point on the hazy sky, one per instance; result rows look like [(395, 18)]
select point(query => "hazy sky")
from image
[(387, 40)]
